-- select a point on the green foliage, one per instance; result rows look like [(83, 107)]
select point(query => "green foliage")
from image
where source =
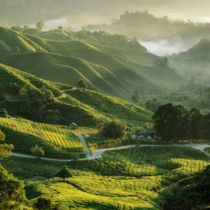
[(37, 151), (40, 25), (11, 191), (3, 113), (105, 62), (27, 96), (152, 105), (5, 149), (2, 136), (114, 129), (170, 122), (82, 84), (43, 203), (64, 173), (135, 97), (175, 123), (130, 178), (188, 193)]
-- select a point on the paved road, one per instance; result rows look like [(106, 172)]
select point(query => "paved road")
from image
[(99, 153), (83, 142)]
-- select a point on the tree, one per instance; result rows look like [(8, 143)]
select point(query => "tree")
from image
[(43, 204), (195, 124), (3, 113), (82, 84), (162, 62), (11, 191), (206, 126), (2, 136), (60, 28), (152, 105), (5, 149), (64, 173), (37, 151), (188, 194), (170, 122), (40, 25), (114, 129), (135, 97)]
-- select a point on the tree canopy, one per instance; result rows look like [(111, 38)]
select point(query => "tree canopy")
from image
[(114, 129), (175, 123)]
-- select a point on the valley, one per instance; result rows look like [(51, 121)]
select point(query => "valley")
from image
[(114, 116)]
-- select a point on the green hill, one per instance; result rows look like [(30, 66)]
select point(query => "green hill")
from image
[(195, 62), (109, 63), (15, 42), (36, 99)]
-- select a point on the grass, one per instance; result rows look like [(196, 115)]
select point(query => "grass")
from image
[(125, 179)]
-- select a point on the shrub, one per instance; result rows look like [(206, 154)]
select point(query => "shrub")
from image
[(82, 84), (11, 191), (114, 129), (3, 113), (64, 173), (37, 151), (2, 136), (43, 203)]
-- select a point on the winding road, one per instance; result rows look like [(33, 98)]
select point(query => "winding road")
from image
[(99, 153)]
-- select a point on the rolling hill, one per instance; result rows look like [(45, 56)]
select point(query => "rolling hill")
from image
[(195, 62), (115, 69), (30, 97)]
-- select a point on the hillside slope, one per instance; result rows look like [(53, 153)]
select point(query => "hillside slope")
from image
[(111, 64), (190, 193), (36, 99), (195, 62)]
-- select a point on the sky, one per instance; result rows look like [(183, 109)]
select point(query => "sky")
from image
[(84, 12), (80, 12)]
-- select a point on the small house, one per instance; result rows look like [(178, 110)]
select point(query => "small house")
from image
[(144, 135), (73, 125)]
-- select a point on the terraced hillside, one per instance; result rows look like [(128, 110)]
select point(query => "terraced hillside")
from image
[(126, 179), (57, 141), (116, 69), (27, 96)]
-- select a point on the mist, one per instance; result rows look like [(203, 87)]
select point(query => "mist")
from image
[(164, 47)]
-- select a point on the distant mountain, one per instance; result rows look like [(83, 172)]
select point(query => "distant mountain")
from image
[(108, 63), (146, 26), (13, 12), (195, 62)]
